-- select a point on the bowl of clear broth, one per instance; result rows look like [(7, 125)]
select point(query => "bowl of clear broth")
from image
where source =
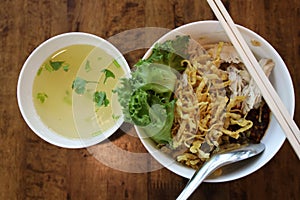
[(215, 101), (65, 89)]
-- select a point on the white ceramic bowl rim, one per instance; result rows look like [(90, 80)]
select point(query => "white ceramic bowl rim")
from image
[(274, 136), (27, 74)]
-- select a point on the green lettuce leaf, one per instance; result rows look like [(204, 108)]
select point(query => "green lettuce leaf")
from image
[(146, 97), (171, 53), (162, 117)]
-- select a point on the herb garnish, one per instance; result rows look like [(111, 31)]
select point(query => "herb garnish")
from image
[(116, 117), (116, 64), (53, 66), (68, 97), (100, 99), (39, 71), (107, 74), (66, 67), (79, 85), (41, 96), (48, 67), (88, 67), (56, 65)]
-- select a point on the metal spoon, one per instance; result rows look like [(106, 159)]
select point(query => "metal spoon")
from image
[(218, 160)]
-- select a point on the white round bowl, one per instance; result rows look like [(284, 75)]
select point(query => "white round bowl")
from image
[(212, 32), (26, 80)]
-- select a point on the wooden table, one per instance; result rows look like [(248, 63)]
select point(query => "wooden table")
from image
[(33, 169)]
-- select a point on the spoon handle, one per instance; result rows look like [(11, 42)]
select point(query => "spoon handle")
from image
[(214, 163)]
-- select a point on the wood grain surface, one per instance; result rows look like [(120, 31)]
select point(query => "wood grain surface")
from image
[(31, 168)]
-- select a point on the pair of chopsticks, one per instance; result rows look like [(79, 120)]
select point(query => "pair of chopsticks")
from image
[(274, 102)]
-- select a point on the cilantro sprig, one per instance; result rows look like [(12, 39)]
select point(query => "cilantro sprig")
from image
[(108, 74), (100, 99), (87, 66), (42, 96), (53, 66), (79, 85), (56, 65), (116, 63)]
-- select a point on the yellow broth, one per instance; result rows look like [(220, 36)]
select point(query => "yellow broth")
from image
[(60, 107)]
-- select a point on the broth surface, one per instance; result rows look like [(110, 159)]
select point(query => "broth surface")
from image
[(61, 107)]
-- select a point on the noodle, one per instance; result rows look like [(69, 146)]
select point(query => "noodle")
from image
[(208, 110)]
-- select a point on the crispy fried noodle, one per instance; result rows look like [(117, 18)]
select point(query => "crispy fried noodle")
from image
[(214, 97)]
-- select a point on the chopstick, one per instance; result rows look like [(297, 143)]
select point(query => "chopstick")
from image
[(274, 102)]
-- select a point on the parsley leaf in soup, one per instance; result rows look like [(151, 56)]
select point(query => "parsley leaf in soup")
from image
[(100, 99), (79, 85), (66, 67), (88, 67), (41, 96), (48, 67), (68, 97), (39, 71), (53, 66), (107, 74), (56, 65), (116, 64)]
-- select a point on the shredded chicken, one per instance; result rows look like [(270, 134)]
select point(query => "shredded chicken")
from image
[(252, 92)]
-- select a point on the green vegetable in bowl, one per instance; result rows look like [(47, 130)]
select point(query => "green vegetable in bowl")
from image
[(146, 97), (171, 53)]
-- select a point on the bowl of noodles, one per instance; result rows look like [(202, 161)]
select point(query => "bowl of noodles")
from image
[(191, 96)]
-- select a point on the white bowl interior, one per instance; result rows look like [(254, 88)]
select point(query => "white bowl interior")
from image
[(212, 32), (26, 79)]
